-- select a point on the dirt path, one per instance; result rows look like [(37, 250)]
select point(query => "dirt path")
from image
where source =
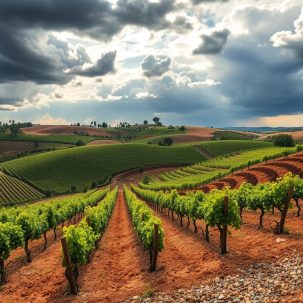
[(37, 281), (119, 268)]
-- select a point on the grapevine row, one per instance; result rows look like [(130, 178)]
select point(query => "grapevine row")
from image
[(144, 222), (210, 207), (19, 225), (83, 238)]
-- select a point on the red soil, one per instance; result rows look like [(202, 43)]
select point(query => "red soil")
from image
[(202, 132), (64, 130)]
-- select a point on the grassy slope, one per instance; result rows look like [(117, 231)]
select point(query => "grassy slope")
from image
[(81, 166), (13, 191), (70, 139), (217, 148), (230, 135)]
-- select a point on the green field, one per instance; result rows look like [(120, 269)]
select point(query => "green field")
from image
[(231, 135), (13, 191), (69, 139), (80, 166), (57, 171), (204, 172)]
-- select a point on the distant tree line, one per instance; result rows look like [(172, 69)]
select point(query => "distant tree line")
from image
[(13, 127)]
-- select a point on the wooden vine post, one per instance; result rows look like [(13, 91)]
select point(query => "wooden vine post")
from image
[(224, 232), (284, 211), (155, 248), (69, 269)]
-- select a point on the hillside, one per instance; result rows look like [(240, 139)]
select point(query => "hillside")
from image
[(13, 191), (81, 166)]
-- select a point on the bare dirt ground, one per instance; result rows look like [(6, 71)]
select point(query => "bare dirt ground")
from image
[(204, 132), (64, 130), (180, 139)]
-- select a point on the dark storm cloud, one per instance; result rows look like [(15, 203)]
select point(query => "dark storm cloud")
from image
[(21, 23), (20, 60), (144, 13), (155, 66), (95, 18), (102, 67), (212, 44)]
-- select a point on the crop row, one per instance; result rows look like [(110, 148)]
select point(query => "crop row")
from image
[(19, 225)]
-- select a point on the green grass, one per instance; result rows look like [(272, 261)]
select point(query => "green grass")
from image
[(80, 166), (218, 148), (230, 135), (69, 139), (13, 191)]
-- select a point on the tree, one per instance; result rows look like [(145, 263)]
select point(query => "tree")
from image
[(104, 125), (156, 120), (145, 122), (283, 140), (168, 141), (15, 129)]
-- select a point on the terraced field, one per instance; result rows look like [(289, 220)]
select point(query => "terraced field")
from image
[(13, 191), (199, 174), (80, 167)]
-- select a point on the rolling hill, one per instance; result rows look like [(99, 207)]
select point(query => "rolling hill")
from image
[(57, 171)]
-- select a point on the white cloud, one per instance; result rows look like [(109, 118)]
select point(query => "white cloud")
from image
[(47, 119)]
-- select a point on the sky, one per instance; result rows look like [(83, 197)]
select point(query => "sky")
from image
[(189, 62)]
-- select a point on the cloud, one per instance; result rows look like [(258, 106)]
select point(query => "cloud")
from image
[(145, 13), (102, 67), (207, 1), (289, 40), (47, 119), (213, 43), (276, 121), (155, 66), (28, 52)]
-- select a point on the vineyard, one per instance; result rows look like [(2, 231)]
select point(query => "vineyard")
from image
[(81, 167), (13, 191), (110, 245)]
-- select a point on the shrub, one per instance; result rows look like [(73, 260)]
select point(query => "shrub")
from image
[(94, 185), (73, 188), (283, 140), (80, 143)]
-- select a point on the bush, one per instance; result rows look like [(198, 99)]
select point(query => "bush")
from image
[(283, 140), (182, 127), (167, 141), (80, 143), (73, 188), (94, 185)]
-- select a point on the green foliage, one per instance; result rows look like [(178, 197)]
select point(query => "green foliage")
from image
[(143, 220), (81, 239), (283, 140), (11, 237)]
